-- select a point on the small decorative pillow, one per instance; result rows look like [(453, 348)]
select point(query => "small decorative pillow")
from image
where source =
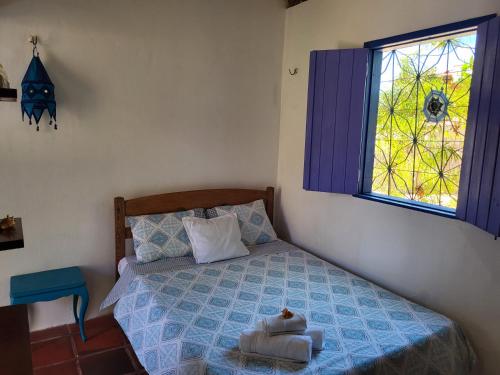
[(254, 223), (162, 235), (215, 239)]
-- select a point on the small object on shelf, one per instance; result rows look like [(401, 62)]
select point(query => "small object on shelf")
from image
[(286, 314), (12, 238), (51, 285), (7, 223)]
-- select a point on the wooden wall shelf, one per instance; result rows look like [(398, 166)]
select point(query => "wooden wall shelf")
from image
[(8, 95), (12, 238)]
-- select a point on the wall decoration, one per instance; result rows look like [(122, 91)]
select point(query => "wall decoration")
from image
[(38, 91)]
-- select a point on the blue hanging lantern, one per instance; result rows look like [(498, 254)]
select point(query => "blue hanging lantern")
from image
[(38, 91)]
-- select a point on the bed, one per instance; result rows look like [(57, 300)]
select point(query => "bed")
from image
[(185, 318)]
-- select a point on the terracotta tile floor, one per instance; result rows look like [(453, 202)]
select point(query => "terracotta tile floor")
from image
[(61, 351)]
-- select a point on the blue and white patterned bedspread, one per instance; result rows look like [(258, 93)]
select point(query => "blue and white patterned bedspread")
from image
[(188, 320)]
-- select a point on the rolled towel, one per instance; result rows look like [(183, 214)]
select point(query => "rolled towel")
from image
[(277, 325), (290, 347), (316, 334)]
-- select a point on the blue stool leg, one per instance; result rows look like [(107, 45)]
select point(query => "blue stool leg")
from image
[(75, 305), (83, 309)]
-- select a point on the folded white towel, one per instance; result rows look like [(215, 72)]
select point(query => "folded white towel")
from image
[(291, 347), (277, 325), (316, 334)]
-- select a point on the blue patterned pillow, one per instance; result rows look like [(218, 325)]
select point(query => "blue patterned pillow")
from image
[(254, 224), (162, 235), (210, 213)]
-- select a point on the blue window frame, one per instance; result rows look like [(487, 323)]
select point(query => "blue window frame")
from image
[(419, 86)]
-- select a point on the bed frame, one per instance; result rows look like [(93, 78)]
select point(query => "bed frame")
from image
[(180, 201)]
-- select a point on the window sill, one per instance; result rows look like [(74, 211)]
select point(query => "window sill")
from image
[(422, 207)]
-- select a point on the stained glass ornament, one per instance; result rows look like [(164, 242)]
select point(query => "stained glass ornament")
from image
[(436, 106)]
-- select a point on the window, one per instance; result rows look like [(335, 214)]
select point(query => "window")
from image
[(411, 120), (420, 92)]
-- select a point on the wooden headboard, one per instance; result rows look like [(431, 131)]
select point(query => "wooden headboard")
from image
[(180, 201)]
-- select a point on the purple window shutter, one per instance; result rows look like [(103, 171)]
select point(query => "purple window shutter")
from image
[(479, 195), (335, 106)]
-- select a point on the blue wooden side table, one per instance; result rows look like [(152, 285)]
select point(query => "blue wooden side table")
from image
[(50, 285)]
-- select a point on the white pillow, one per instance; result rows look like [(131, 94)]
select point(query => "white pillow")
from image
[(215, 239)]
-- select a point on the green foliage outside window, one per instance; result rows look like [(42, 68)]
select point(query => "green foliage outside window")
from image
[(416, 158)]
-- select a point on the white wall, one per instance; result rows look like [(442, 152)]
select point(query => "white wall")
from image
[(445, 264), (153, 96)]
